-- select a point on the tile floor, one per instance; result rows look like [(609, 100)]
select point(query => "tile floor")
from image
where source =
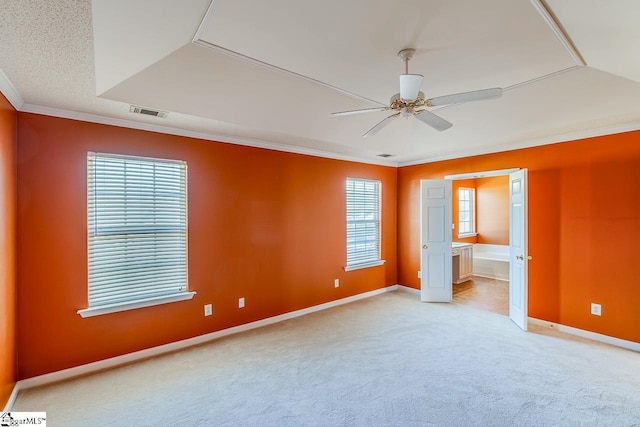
[(482, 293)]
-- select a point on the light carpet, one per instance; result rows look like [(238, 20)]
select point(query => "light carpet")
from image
[(384, 361)]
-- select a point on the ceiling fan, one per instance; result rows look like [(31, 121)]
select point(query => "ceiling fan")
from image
[(411, 101)]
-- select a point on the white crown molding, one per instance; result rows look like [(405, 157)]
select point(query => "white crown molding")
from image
[(541, 78), (271, 67), (547, 140), (10, 91), (559, 32), (95, 118), (249, 142), (482, 174), (14, 97), (517, 85), (206, 44)]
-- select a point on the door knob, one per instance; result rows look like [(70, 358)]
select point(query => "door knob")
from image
[(425, 247), (529, 257), (520, 257)]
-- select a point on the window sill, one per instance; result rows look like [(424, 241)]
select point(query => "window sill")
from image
[(114, 308), (462, 236), (364, 265)]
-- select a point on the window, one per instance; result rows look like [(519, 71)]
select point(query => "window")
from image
[(363, 223), (466, 222), (137, 232)]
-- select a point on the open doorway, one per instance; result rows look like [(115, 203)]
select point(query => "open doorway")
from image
[(438, 250), (480, 234)]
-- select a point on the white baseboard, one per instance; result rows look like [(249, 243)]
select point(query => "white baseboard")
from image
[(112, 362), (408, 289), (486, 276), (606, 339), (12, 397), (89, 368)]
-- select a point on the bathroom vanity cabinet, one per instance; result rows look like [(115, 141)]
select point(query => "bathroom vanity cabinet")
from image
[(462, 262)]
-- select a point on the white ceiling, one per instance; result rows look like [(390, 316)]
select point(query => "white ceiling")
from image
[(269, 73)]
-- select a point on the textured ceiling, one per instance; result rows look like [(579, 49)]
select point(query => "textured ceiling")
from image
[(269, 73)]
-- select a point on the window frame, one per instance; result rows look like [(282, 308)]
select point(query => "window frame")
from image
[(126, 231), (371, 261), (472, 212)]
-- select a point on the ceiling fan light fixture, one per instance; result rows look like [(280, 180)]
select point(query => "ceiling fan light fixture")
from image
[(407, 112), (410, 86), (411, 102)]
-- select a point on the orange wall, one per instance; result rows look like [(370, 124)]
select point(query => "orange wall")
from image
[(455, 185), (269, 226), (8, 138), (264, 225), (583, 228), (492, 195)]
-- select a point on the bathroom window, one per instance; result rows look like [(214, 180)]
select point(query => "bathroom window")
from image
[(466, 212)]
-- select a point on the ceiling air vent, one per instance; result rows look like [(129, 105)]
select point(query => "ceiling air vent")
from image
[(148, 111), (385, 155)]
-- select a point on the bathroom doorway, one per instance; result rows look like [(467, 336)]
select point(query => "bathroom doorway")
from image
[(438, 248), (480, 223)]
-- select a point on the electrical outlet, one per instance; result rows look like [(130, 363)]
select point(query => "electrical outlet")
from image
[(596, 309), (336, 283), (240, 302), (419, 274), (208, 310)]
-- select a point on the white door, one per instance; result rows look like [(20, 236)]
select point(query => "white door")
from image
[(435, 240), (518, 248)]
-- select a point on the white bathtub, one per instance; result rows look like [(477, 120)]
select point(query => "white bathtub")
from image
[(491, 261)]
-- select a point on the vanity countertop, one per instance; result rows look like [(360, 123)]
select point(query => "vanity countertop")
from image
[(460, 244)]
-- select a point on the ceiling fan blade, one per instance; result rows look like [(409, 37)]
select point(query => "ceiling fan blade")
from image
[(380, 125), (410, 86), (365, 110), (436, 122), (475, 95)]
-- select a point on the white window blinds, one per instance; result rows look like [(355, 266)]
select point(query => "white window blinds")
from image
[(137, 228), (363, 221)]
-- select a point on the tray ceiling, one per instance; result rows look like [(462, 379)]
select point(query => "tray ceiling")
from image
[(269, 73)]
